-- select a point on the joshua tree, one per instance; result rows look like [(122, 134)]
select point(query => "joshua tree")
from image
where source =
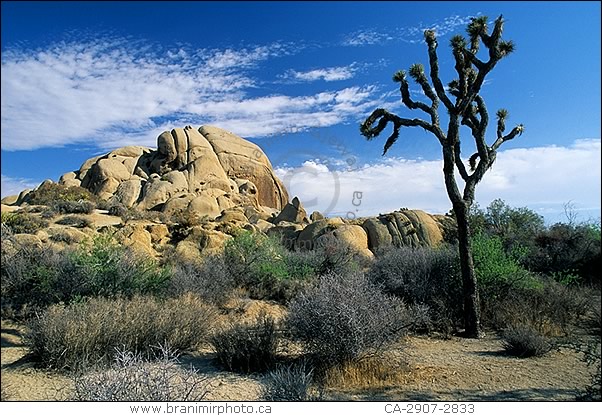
[(465, 106)]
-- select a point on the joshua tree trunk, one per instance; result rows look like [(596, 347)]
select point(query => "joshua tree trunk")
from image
[(468, 110), (469, 278)]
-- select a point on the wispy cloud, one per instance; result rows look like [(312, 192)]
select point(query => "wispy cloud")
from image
[(119, 92), (542, 178), (15, 185), (366, 37), (338, 73), (408, 34)]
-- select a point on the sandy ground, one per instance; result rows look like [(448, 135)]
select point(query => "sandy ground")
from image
[(463, 369), (456, 369), (22, 381)]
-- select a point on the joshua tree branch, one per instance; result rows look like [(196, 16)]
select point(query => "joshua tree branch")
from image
[(431, 41), (459, 163), (404, 89), (384, 117), (518, 130)]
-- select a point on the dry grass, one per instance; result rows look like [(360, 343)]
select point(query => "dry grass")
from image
[(4, 392), (374, 372), (290, 383)]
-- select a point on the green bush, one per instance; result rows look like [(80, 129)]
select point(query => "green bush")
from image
[(50, 193), (516, 228), (90, 332), (75, 221), (21, 222), (563, 249), (110, 269), (496, 269), (245, 347), (499, 275), (34, 277), (266, 268)]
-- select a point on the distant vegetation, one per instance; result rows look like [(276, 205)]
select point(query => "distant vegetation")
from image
[(88, 306)]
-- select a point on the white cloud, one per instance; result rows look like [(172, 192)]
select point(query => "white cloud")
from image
[(339, 73), (15, 185), (541, 178), (366, 37), (441, 27), (408, 34), (115, 92)]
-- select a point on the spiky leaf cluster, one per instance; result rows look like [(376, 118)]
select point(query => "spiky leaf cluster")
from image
[(399, 76)]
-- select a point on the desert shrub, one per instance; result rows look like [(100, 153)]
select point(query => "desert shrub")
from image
[(209, 278), (516, 228), (265, 268), (75, 221), (423, 277), (591, 356), (117, 209), (69, 206), (21, 222), (132, 214), (109, 269), (247, 347), (345, 318), (524, 341), (133, 378), (594, 318), (569, 249), (48, 213), (89, 332), (289, 383), (33, 277), (335, 256), (188, 219), (551, 308), (49, 193)]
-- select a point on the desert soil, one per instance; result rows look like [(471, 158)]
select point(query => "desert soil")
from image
[(458, 369)]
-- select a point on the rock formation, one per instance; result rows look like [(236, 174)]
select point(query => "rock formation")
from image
[(203, 171), (209, 184)]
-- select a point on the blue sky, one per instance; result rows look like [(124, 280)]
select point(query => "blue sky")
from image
[(297, 78)]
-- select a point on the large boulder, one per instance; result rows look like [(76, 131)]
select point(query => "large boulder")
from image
[(292, 212), (403, 228), (128, 192), (9, 200), (308, 236), (211, 167), (245, 160)]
